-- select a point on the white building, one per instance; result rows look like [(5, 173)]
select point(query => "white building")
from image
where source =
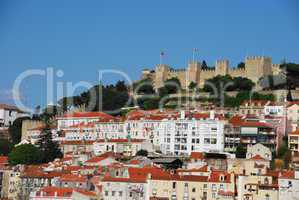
[(274, 109), (183, 136), (76, 118), (125, 146), (258, 149), (8, 114), (289, 185)]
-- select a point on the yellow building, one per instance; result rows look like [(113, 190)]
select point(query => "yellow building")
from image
[(217, 186)]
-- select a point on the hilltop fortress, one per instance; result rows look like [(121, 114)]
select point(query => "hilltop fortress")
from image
[(255, 68)]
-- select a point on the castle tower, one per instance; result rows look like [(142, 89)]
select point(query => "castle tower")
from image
[(257, 67), (161, 75), (193, 72), (222, 67)]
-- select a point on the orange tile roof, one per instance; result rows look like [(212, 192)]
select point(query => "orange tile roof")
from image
[(257, 157), (287, 174), (86, 193), (3, 160), (52, 191), (72, 178), (36, 171), (197, 155), (294, 133), (226, 193), (100, 115), (96, 159), (215, 177), (78, 142), (201, 169)]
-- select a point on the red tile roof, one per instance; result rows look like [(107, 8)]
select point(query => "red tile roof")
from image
[(72, 178), (86, 193), (226, 193), (197, 155), (95, 159), (294, 133), (257, 157), (52, 191), (36, 171), (100, 115), (3, 160), (215, 177), (287, 174), (78, 142)]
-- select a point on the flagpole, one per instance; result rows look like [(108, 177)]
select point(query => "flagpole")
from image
[(161, 57)]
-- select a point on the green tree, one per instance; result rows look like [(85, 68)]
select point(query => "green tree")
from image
[(192, 85), (48, 148), (149, 103), (5, 147), (144, 86), (142, 152), (240, 152), (24, 154), (241, 65), (204, 65), (172, 85), (121, 86)]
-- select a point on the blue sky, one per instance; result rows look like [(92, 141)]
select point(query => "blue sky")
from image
[(82, 37)]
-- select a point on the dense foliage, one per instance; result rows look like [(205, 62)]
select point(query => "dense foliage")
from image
[(108, 98), (246, 95), (144, 86), (24, 154), (49, 149), (142, 152), (227, 83), (5, 147)]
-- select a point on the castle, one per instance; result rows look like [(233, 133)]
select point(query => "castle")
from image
[(255, 68)]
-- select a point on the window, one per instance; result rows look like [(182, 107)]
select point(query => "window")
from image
[(213, 186), (213, 141), (173, 185), (120, 193), (193, 190), (221, 187), (213, 195), (207, 140), (113, 193), (131, 194), (106, 193)]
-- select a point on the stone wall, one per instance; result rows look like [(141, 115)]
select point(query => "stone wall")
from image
[(256, 67)]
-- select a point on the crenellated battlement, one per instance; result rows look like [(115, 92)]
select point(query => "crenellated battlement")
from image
[(255, 68)]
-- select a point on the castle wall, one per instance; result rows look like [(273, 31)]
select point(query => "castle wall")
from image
[(276, 69), (255, 68), (181, 75), (205, 75), (237, 72)]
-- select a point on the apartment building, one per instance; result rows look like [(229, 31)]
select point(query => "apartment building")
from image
[(183, 136)]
